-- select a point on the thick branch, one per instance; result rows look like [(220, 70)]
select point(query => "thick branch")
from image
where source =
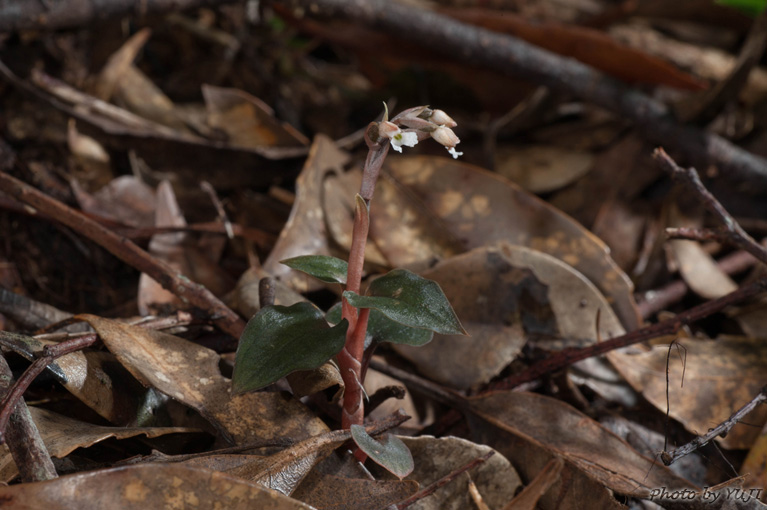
[(512, 56), (51, 15)]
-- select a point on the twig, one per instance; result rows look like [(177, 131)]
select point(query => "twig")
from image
[(720, 430), (128, 252), (27, 447), (208, 188), (653, 301), (569, 356), (734, 233), (512, 56), (26, 15), (50, 353), (427, 491), (383, 394)]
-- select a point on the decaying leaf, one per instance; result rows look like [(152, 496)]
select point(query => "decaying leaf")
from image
[(63, 435), (304, 233), (482, 209), (146, 486), (720, 376), (504, 295), (189, 373), (524, 425)]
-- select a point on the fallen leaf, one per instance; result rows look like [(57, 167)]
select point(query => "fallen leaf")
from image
[(533, 424), (145, 486), (720, 376), (542, 168), (481, 208), (304, 233), (63, 435), (247, 120), (189, 373), (503, 295)]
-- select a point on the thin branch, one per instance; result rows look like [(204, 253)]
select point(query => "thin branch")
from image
[(50, 353), (670, 326), (24, 441), (509, 55), (720, 430), (429, 490), (734, 233), (125, 250)]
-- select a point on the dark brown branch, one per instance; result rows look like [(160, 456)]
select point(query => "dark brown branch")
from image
[(27, 447), (653, 301), (734, 233), (720, 430), (429, 490), (569, 356), (51, 15), (125, 250), (50, 353), (512, 56)]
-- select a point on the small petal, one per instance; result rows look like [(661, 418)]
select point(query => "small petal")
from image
[(441, 118), (388, 129), (445, 136), (455, 154), (404, 138)]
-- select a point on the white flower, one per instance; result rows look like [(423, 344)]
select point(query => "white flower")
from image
[(396, 136), (452, 151)]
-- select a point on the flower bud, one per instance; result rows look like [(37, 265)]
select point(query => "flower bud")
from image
[(445, 136), (441, 118)]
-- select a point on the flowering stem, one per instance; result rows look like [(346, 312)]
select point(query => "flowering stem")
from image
[(350, 357)]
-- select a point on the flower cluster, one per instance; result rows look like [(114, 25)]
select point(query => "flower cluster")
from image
[(419, 123)]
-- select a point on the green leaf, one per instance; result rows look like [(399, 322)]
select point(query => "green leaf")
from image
[(750, 7), (411, 300), (279, 340), (383, 329), (391, 454), (323, 267)]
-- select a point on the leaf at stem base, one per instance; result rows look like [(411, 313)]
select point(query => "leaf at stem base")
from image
[(391, 453), (279, 340)]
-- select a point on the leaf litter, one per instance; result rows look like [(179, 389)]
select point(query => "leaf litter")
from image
[(134, 132)]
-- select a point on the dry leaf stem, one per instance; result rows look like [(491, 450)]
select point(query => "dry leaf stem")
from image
[(124, 249)]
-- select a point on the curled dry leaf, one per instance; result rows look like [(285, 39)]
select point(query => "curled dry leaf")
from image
[(720, 376), (146, 486), (304, 233), (125, 199), (248, 121), (189, 373), (98, 381), (503, 295), (529, 429), (496, 479), (63, 435)]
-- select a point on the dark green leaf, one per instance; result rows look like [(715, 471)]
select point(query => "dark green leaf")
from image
[(391, 454), (383, 329), (279, 340), (411, 300), (323, 267)]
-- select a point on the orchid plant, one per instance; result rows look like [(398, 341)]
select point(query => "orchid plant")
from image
[(399, 307)]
